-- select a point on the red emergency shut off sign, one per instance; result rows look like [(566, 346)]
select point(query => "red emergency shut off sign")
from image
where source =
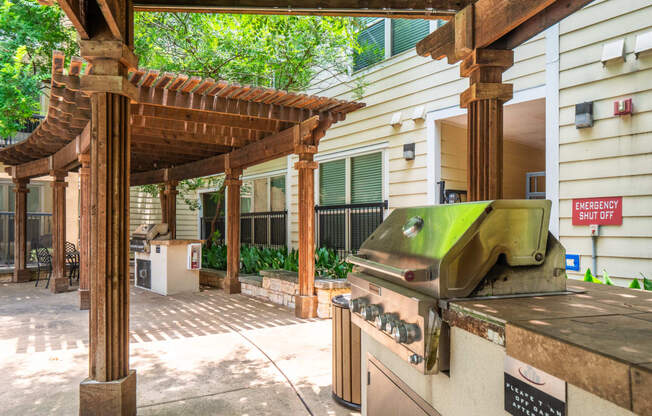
[(600, 211)]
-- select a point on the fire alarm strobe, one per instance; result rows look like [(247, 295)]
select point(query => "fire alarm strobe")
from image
[(622, 107)]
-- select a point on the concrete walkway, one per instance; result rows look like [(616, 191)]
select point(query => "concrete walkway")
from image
[(199, 354)]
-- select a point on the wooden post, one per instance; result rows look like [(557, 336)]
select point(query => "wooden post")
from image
[(164, 203), (484, 99), (111, 385), (306, 301), (59, 281), (171, 207), (233, 184), (85, 235), (21, 274)]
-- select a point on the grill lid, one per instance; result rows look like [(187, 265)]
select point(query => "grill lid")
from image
[(446, 250)]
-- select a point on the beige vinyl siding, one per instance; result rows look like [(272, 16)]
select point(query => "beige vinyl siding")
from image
[(403, 83), (146, 209), (614, 157)]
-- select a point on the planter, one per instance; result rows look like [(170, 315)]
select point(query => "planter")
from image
[(281, 286), (212, 277)]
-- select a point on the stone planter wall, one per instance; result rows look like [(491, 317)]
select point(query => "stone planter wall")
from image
[(281, 286), (211, 277)]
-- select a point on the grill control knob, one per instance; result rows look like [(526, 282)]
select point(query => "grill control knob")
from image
[(370, 312), (391, 324), (383, 321), (356, 305), (405, 333)]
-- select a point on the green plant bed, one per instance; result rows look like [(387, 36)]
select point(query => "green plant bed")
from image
[(589, 277), (254, 259)]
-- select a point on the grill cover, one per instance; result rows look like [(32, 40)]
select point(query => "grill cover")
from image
[(446, 250)]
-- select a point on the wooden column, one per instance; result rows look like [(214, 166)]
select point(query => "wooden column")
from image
[(164, 203), (21, 274), (306, 301), (59, 281), (484, 100), (233, 184), (170, 210), (85, 234), (111, 385)]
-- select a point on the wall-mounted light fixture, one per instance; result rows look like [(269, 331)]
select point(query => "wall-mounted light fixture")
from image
[(408, 151), (419, 113), (396, 120), (643, 44), (613, 52), (584, 115)]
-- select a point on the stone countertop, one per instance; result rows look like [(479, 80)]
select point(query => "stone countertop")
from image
[(599, 340), (175, 242)]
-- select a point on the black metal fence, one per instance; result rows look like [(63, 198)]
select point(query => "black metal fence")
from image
[(262, 229), (345, 227), (39, 234), (30, 125)]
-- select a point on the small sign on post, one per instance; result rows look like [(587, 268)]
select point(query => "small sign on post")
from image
[(530, 391), (599, 211)]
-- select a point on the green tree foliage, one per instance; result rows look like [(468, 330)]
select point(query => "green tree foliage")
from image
[(29, 33), (283, 52)]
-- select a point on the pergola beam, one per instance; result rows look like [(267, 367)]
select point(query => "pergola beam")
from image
[(504, 22), (271, 147), (415, 9)]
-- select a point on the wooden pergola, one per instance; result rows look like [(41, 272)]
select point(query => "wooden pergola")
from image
[(136, 113)]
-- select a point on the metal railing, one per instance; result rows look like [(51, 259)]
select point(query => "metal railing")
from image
[(39, 234), (262, 229), (344, 228)]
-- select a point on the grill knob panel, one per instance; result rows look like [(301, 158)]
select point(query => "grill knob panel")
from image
[(383, 321), (356, 305), (370, 312), (405, 333)]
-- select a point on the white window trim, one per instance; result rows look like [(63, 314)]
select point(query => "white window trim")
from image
[(433, 136)]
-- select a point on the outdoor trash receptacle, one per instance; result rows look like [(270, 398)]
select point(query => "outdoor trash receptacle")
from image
[(346, 355)]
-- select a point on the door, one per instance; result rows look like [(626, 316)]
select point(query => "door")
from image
[(387, 395)]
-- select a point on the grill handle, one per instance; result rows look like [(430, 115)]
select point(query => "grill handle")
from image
[(409, 275)]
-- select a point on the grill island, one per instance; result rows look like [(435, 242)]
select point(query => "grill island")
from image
[(423, 289), (165, 266)]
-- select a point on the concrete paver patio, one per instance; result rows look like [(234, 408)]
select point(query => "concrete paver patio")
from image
[(195, 354)]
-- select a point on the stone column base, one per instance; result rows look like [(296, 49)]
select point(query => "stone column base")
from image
[(84, 299), (305, 306), (21, 275), (58, 284), (118, 397)]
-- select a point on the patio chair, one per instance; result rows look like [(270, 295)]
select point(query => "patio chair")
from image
[(43, 262), (72, 261)]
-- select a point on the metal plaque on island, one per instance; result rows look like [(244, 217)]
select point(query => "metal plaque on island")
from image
[(532, 392)]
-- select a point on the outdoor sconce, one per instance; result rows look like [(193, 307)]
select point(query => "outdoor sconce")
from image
[(396, 120), (408, 151), (419, 113), (643, 44), (613, 52), (584, 115)]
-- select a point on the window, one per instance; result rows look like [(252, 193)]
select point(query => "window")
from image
[(263, 194), (372, 43), (407, 32), (350, 201), (401, 35), (8, 198)]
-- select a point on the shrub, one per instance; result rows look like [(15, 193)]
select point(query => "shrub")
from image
[(589, 277), (254, 259)]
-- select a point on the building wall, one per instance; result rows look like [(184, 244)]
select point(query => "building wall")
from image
[(404, 83), (614, 157), (146, 209)]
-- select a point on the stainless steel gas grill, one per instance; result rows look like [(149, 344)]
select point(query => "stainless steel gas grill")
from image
[(419, 259)]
